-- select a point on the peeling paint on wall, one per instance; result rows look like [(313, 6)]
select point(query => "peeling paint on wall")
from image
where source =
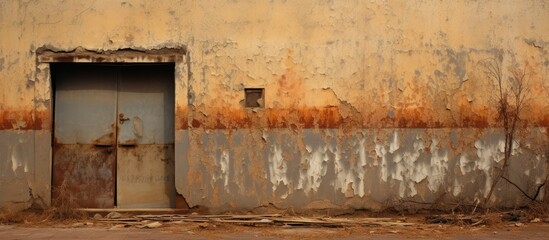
[(366, 104), (277, 168)]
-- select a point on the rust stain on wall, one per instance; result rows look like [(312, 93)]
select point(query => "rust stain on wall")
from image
[(234, 118), (363, 105), (181, 118), (322, 117), (85, 173), (24, 120), (330, 117)]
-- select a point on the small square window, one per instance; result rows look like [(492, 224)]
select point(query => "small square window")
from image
[(254, 97)]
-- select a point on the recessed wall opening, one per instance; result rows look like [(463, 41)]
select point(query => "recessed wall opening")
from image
[(113, 134), (254, 97)]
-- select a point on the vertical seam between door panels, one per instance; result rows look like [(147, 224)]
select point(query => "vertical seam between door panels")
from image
[(116, 74)]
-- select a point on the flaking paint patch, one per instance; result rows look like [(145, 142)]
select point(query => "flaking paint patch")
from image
[(394, 145), (277, 168), (381, 152), (313, 167), (457, 187), (489, 153), (223, 164), (17, 159), (352, 178), (327, 53), (360, 171), (408, 166), (418, 167), (15, 163), (439, 166), (408, 171)]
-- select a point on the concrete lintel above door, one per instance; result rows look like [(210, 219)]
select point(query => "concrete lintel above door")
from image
[(127, 55)]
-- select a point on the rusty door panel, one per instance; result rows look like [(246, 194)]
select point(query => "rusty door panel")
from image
[(146, 177), (87, 172), (146, 135), (84, 157), (115, 122)]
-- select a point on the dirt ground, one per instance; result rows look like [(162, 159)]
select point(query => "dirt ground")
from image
[(534, 231), (193, 231), (500, 225)]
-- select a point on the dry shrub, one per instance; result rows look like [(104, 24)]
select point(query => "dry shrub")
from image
[(64, 209), (27, 217), (539, 209), (493, 218), (64, 205), (8, 216)]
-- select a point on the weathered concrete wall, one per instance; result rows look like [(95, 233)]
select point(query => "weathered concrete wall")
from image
[(367, 168), (366, 103)]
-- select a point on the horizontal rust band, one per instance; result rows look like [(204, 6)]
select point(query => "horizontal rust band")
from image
[(331, 117), (305, 118), (24, 120)]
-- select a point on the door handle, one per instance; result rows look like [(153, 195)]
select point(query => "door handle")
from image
[(129, 143), (103, 145), (122, 119)]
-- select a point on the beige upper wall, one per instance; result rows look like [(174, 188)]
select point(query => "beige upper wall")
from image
[(371, 60)]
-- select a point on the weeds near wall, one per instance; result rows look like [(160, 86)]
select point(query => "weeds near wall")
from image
[(63, 209), (511, 95), (64, 206)]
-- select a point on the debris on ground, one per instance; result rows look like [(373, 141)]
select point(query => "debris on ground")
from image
[(153, 225), (153, 221), (514, 216), (81, 224), (114, 215), (77, 225), (454, 219)]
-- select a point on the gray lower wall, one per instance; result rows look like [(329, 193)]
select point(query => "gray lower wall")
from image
[(361, 169), (310, 169), (25, 168)]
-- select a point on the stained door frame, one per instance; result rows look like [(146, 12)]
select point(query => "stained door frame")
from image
[(44, 102)]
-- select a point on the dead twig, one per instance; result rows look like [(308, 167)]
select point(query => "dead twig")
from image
[(512, 97), (524, 192)]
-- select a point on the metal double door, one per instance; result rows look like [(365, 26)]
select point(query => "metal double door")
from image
[(114, 135)]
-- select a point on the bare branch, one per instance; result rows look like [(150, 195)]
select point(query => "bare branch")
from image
[(512, 97), (523, 191)]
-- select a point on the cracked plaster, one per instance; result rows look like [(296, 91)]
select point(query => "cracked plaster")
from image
[(366, 103)]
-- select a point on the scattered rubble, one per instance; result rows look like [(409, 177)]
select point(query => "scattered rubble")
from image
[(275, 219), (153, 225), (114, 215), (519, 224), (453, 219), (77, 225), (81, 224)]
